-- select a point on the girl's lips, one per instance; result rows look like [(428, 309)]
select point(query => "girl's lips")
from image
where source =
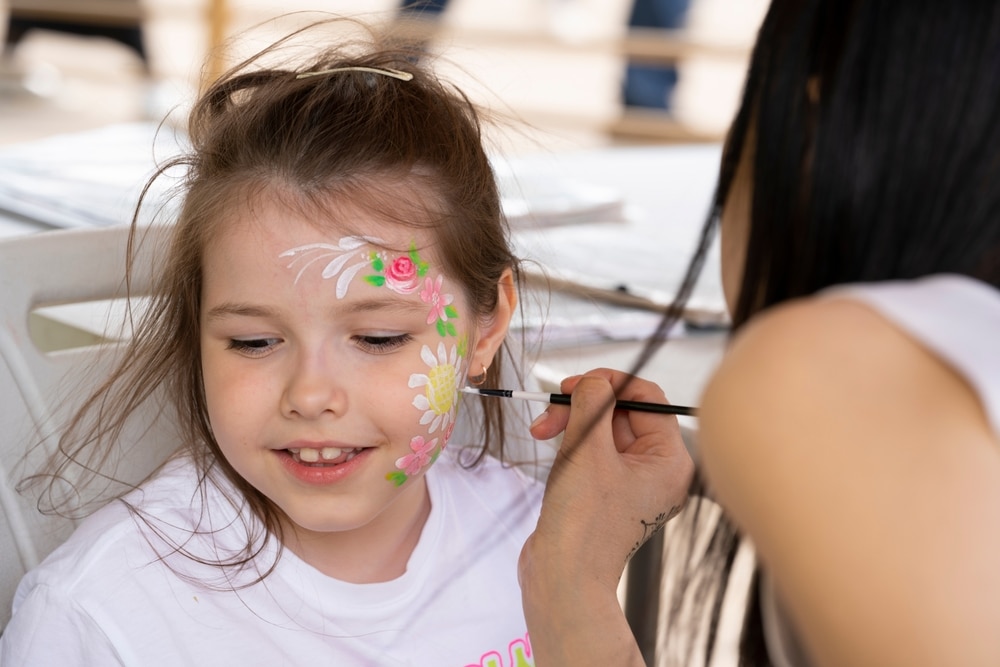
[(323, 471)]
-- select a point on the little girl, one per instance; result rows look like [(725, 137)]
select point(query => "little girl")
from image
[(338, 271)]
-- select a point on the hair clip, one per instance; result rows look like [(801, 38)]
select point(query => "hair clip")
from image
[(394, 73)]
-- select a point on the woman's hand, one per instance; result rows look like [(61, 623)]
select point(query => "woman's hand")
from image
[(618, 477)]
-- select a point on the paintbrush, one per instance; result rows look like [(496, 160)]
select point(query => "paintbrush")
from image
[(564, 399)]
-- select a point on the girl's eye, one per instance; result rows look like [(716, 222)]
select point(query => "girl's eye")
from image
[(253, 347), (382, 344)]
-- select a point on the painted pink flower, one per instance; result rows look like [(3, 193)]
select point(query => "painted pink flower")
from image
[(431, 294), (401, 276), (423, 450)]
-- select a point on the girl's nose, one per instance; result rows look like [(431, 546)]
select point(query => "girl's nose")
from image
[(314, 388)]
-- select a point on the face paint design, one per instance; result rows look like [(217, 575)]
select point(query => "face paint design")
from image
[(438, 400), (441, 308), (424, 453), (401, 274), (440, 385), (347, 249)]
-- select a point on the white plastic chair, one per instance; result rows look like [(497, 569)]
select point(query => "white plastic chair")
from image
[(52, 268)]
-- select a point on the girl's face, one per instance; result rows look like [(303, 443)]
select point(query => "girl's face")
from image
[(332, 366)]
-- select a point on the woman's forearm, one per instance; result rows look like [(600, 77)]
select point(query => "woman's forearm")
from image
[(575, 625), (617, 474)]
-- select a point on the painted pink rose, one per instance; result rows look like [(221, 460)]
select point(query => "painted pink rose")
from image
[(401, 276)]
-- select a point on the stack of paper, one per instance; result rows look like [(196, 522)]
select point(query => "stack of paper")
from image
[(85, 179), (533, 198)]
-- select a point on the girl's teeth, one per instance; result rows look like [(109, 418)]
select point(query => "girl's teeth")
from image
[(326, 454)]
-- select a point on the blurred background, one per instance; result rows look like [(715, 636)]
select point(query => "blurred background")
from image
[(571, 73)]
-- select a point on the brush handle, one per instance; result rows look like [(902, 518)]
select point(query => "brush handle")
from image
[(564, 399)]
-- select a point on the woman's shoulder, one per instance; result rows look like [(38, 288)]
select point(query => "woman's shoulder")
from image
[(789, 371), (832, 365), (861, 464), (798, 341)]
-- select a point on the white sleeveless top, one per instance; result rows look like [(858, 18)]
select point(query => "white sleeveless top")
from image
[(957, 319)]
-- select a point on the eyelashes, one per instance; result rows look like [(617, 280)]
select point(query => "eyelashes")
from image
[(253, 347), (258, 347), (382, 344)]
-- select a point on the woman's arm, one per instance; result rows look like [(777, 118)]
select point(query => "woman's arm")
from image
[(864, 471), (617, 478)]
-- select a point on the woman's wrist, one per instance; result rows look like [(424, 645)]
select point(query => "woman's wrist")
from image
[(572, 618)]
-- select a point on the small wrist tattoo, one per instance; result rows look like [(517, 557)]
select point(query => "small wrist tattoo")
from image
[(650, 528)]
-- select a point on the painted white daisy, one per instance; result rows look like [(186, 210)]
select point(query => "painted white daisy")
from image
[(440, 385)]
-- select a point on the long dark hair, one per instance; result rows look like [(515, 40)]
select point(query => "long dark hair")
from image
[(873, 130)]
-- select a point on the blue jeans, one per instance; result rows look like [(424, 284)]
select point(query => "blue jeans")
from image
[(650, 85), (418, 7), (645, 85)]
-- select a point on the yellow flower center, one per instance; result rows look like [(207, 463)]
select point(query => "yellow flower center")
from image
[(441, 388)]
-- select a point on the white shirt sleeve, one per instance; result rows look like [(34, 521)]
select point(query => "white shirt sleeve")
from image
[(50, 629)]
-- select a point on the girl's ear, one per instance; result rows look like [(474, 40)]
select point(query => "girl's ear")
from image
[(493, 330)]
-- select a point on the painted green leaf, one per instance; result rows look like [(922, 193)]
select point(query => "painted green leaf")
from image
[(440, 327), (377, 281), (451, 312), (377, 263), (421, 265), (450, 328), (397, 477)]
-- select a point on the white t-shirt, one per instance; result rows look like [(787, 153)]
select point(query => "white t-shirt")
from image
[(112, 594)]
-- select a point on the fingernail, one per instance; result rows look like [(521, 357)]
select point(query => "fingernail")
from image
[(539, 419)]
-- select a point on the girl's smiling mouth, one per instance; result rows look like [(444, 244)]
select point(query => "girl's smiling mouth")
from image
[(323, 464), (323, 455)]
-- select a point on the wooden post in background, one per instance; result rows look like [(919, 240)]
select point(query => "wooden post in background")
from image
[(217, 16)]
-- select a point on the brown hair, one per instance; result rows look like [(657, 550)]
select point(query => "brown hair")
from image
[(349, 135)]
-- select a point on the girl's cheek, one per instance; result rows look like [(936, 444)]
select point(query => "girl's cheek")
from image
[(435, 389)]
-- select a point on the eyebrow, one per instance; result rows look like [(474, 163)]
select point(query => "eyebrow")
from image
[(232, 309), (371, 305)]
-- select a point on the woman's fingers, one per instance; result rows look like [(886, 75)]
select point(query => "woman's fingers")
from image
[(554, 419), (617, 463)]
